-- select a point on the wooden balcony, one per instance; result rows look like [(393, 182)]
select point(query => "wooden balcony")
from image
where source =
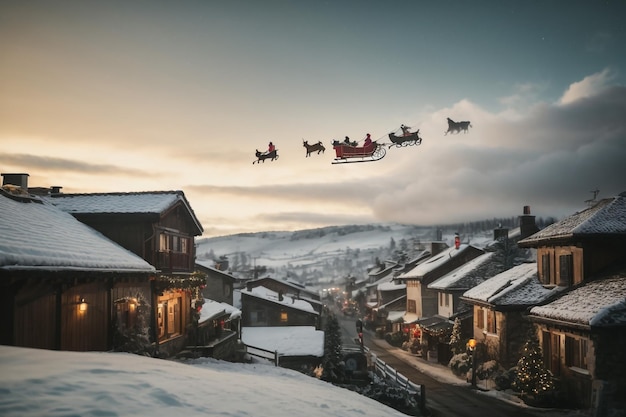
[(174, 261)]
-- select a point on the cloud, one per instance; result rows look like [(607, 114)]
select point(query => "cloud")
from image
[(35, 163), (589, 86), (550, 158)]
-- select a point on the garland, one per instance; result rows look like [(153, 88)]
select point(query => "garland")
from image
[(194, 281)]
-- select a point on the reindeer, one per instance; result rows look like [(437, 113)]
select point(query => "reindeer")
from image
[(312, 148)]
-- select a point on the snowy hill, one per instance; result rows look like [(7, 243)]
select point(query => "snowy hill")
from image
[(323, 255)]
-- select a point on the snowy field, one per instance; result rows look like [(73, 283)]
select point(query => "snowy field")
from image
[(52, 383)]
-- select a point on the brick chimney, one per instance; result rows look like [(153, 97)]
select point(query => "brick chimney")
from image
[(21, 180), (527, 224)]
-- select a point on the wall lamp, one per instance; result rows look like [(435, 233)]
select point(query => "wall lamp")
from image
[(82, 305)]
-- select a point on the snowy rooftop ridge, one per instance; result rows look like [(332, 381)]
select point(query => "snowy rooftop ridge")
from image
[(597, 303), (37, 235), (434, 261), (145, 202), (516, 286), (273, 296), (456, 278), (608, 216)]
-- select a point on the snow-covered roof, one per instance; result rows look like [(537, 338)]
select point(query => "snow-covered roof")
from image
[(210, 265), (434, 262), (463, 277), (146, 202), (608, 216), (212, 308), (395, 316), (286, 340), (273, 296), (516, 286), (297, 287), (36, 235), (391, 286), (597, 303)]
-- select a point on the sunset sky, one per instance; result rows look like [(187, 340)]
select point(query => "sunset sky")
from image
[(110, 96)]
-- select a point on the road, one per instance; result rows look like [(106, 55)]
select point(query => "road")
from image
[(442, 399)]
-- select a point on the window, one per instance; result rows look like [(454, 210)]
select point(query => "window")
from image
[(491, 322), (164, 242), (551, 348), (480, 318), (441, 299), (576, 352), (411, 307), (284, 317), (566, 264), (545, 269), (447, 300), (171, 243), (258, 317)]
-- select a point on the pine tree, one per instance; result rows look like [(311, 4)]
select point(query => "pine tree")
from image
[(332, 362), (456, 343), (532, 377)]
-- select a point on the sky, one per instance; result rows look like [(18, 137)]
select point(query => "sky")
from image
[(148, 96)]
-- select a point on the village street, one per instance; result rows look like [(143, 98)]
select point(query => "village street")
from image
[(443, 399)]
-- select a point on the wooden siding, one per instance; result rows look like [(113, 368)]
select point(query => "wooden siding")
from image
[(35, 323), (90, 329)]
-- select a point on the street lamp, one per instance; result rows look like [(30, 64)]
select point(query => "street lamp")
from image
[(471, 346)]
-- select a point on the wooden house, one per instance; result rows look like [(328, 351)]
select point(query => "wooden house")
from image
[(581, 245), (159, 227), (582, 332), (287, 288), (263, 307), (422, 301), (216, 332), (500, 307), (451, 286), (65, 286), (219, 284)]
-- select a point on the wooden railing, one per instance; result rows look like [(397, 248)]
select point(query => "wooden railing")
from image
[(396, 378), (173, 261)]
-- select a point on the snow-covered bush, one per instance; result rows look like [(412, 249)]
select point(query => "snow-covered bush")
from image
[(460, 364)]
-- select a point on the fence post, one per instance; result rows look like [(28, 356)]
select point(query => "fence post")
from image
[(422, 397), (275, 358)]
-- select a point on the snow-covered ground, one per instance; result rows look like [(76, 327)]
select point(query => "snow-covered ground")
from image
[(52, 383)]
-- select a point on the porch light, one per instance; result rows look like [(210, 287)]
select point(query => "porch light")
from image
[(82, 305)]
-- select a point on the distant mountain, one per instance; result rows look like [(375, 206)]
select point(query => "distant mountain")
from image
[(325, 255)]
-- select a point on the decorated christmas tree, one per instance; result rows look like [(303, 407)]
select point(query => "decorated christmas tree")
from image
[(532, 378), (456, 343)]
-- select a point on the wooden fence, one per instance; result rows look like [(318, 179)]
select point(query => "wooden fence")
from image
[(273, 356), (396, 378)]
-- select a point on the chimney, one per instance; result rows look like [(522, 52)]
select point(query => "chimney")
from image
[(437, 247), (527, 224), (55, 189), (500, 233), (21, 180)]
